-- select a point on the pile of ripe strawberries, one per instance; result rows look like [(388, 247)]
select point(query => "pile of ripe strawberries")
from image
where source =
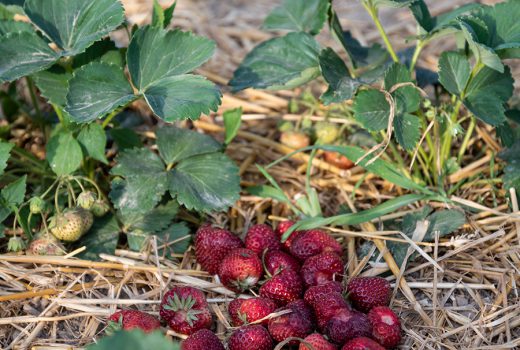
[(302, 302)]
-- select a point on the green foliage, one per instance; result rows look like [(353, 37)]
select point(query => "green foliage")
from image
[(102, 238), (11, 196), (64, 153), (135, 340), (512, 170), (232, 122), (298, 16), (5, 149), (191, 166)]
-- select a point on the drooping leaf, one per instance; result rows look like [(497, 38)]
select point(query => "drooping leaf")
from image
[(407, 128), (93, 141), (422, 15), (135, 340), (482, 52), (232, 121), (392, 3), (298, 16), (371, 109), (75, 24), (5, 152), (178, 233), (184, 96), (64, 153), (279, 63), (53, 84), (341, 85), (207, 182), (23, 53), (9, 26), (95, 90), (101, 51), (101, 238), (454, 71), (155, 54), (266, 191)]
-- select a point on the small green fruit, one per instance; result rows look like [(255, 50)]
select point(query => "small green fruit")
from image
[(100, 208), (326, 132), (45, 244), (86, 199), (294, 139), (16, 244), (37, 205), (70, 225)]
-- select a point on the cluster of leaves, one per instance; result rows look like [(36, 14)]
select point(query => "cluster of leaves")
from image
[(489, 35), (135, 339), (11, 195)]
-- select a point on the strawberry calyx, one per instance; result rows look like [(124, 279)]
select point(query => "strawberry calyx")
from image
[(114, 326), (183, 307)]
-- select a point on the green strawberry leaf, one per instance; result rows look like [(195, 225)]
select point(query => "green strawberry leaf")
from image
[(341, 85), (232, 121), (95, 90), (371, 109), (137, 162), (53, 84), (176, 144), (64, 153), (101, 238), (178, 233), (207, 182), (298, 16), (407, 98), (12, 196), (137, 194), (279, 63), (454, 71), (93, 141), (266, 191), (392, 3), (104, 51), (8, 26), (512, 170), (407, 129), (58, 19), (125, 138), (23, 53), (135, 340), (5, 152), (155, 220), (482, 52)]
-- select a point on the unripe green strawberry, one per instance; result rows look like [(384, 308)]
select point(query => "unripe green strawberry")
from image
[(45, 244), (36, 205), (326, 132), (100, 208), (86, 199), (15, 244), (70, 225)]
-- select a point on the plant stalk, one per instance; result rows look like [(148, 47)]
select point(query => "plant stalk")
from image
[(34, 99), (372, 11)]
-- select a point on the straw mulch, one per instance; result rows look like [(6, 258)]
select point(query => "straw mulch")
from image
[(469, 301)]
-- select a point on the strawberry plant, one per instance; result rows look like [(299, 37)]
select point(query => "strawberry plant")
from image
[(63, 53), (413, 132)]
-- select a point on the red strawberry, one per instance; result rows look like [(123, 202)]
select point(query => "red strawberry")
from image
[(327, 307), (314, 242), (282, 228), (362, 343), (252, 337), (185, 310), (240, 270), (317, 341), (250, 310), (322, 268), (260, 238), (276, 261), (283, 288), (298, 323), (203, 339), (368, 292), (386, 326), (346, 325), (212, 245), (129, 319), (315, 293)]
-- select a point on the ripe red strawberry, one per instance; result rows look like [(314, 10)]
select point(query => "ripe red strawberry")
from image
[(130, 319), (322, 268), (318, 342), (203, 339), (282, 228), (261, 237), (298, 323), (283, 288), (315, 293), (244, 311), (314, 242), (327, 307), (185, 309), (240, 270), (276, 261), (368, 292), (212, 245), (254, 337), (386, 327), (346, 325), (362, 343)]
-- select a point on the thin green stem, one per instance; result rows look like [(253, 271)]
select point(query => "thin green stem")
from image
[(372, 11), (466, 140), (34, 99), (109, 118), (416, 54)]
